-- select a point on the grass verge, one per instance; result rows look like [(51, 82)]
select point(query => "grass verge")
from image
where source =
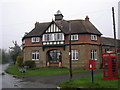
[(45, 71), (86, 82)]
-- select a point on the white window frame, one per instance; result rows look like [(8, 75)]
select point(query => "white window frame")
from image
[(94, 37), (23, 41), (94, 54), (74, 37), (35, 39), (36, 55), (53, 37), (74, 54)]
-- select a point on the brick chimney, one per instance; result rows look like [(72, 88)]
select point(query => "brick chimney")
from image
[(37, 24), (87, 18)]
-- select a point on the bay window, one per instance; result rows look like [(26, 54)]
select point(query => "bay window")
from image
[(53, 37)]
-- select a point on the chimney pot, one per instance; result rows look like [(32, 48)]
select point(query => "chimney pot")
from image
[(36, 24), (87, 18)]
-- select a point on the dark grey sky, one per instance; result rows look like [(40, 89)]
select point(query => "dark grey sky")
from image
[(19, 16)]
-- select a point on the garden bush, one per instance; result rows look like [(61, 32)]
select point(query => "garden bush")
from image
[(19, 61), (30, 64)]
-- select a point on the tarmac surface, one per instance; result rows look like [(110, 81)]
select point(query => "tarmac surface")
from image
[(12, 81), (54, 79)]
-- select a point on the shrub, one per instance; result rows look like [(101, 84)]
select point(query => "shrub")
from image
[(19, 61), (30, 64)]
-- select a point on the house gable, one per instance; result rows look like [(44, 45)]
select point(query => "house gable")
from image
[(53, 35), (53, 28)]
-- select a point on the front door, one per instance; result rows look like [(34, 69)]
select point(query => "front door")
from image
[(54, 57)]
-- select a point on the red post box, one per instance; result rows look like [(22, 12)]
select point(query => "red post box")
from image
[(110, 66), (92, 64)]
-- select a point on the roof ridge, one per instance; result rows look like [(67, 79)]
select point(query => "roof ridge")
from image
[(44, 22), (76, 20), (109, 38)]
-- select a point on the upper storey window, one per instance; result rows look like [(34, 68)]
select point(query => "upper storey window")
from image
[(35, 39), (74, 37), (53, 37), (23, 42), (94, 37)]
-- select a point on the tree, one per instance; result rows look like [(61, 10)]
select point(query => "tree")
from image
[(4, 56), (15, 51)]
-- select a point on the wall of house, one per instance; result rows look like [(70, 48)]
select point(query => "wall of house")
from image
[(27, 55), (83, 50), (107, 47), (28, 42), (82, 62), (83, 38)]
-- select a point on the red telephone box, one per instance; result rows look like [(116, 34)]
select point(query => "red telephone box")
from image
[(92, 64), (110, 66)]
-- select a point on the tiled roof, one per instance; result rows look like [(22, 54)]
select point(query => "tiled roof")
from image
[(109, 41), (38, 30), (77, 26)]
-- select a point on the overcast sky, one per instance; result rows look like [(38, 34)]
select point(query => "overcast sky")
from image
[(19, 16)]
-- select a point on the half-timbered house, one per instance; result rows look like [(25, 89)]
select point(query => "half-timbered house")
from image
[(48, 43)]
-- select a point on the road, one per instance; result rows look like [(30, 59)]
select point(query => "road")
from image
[(8, 81)]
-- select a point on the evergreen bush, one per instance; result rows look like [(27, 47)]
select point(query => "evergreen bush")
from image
[(30, 64)]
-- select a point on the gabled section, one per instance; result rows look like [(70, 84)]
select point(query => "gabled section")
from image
[(53, 35), (53, 28)]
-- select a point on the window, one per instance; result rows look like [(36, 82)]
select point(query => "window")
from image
[(23, 41), (74, 54), (59, 36), (94, 54), (35, 39), (53, 37), (35, 55), (94, 37), (107, 49), (74, 37)]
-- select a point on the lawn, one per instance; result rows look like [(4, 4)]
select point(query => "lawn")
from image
[(43, 71), (86, 82)]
